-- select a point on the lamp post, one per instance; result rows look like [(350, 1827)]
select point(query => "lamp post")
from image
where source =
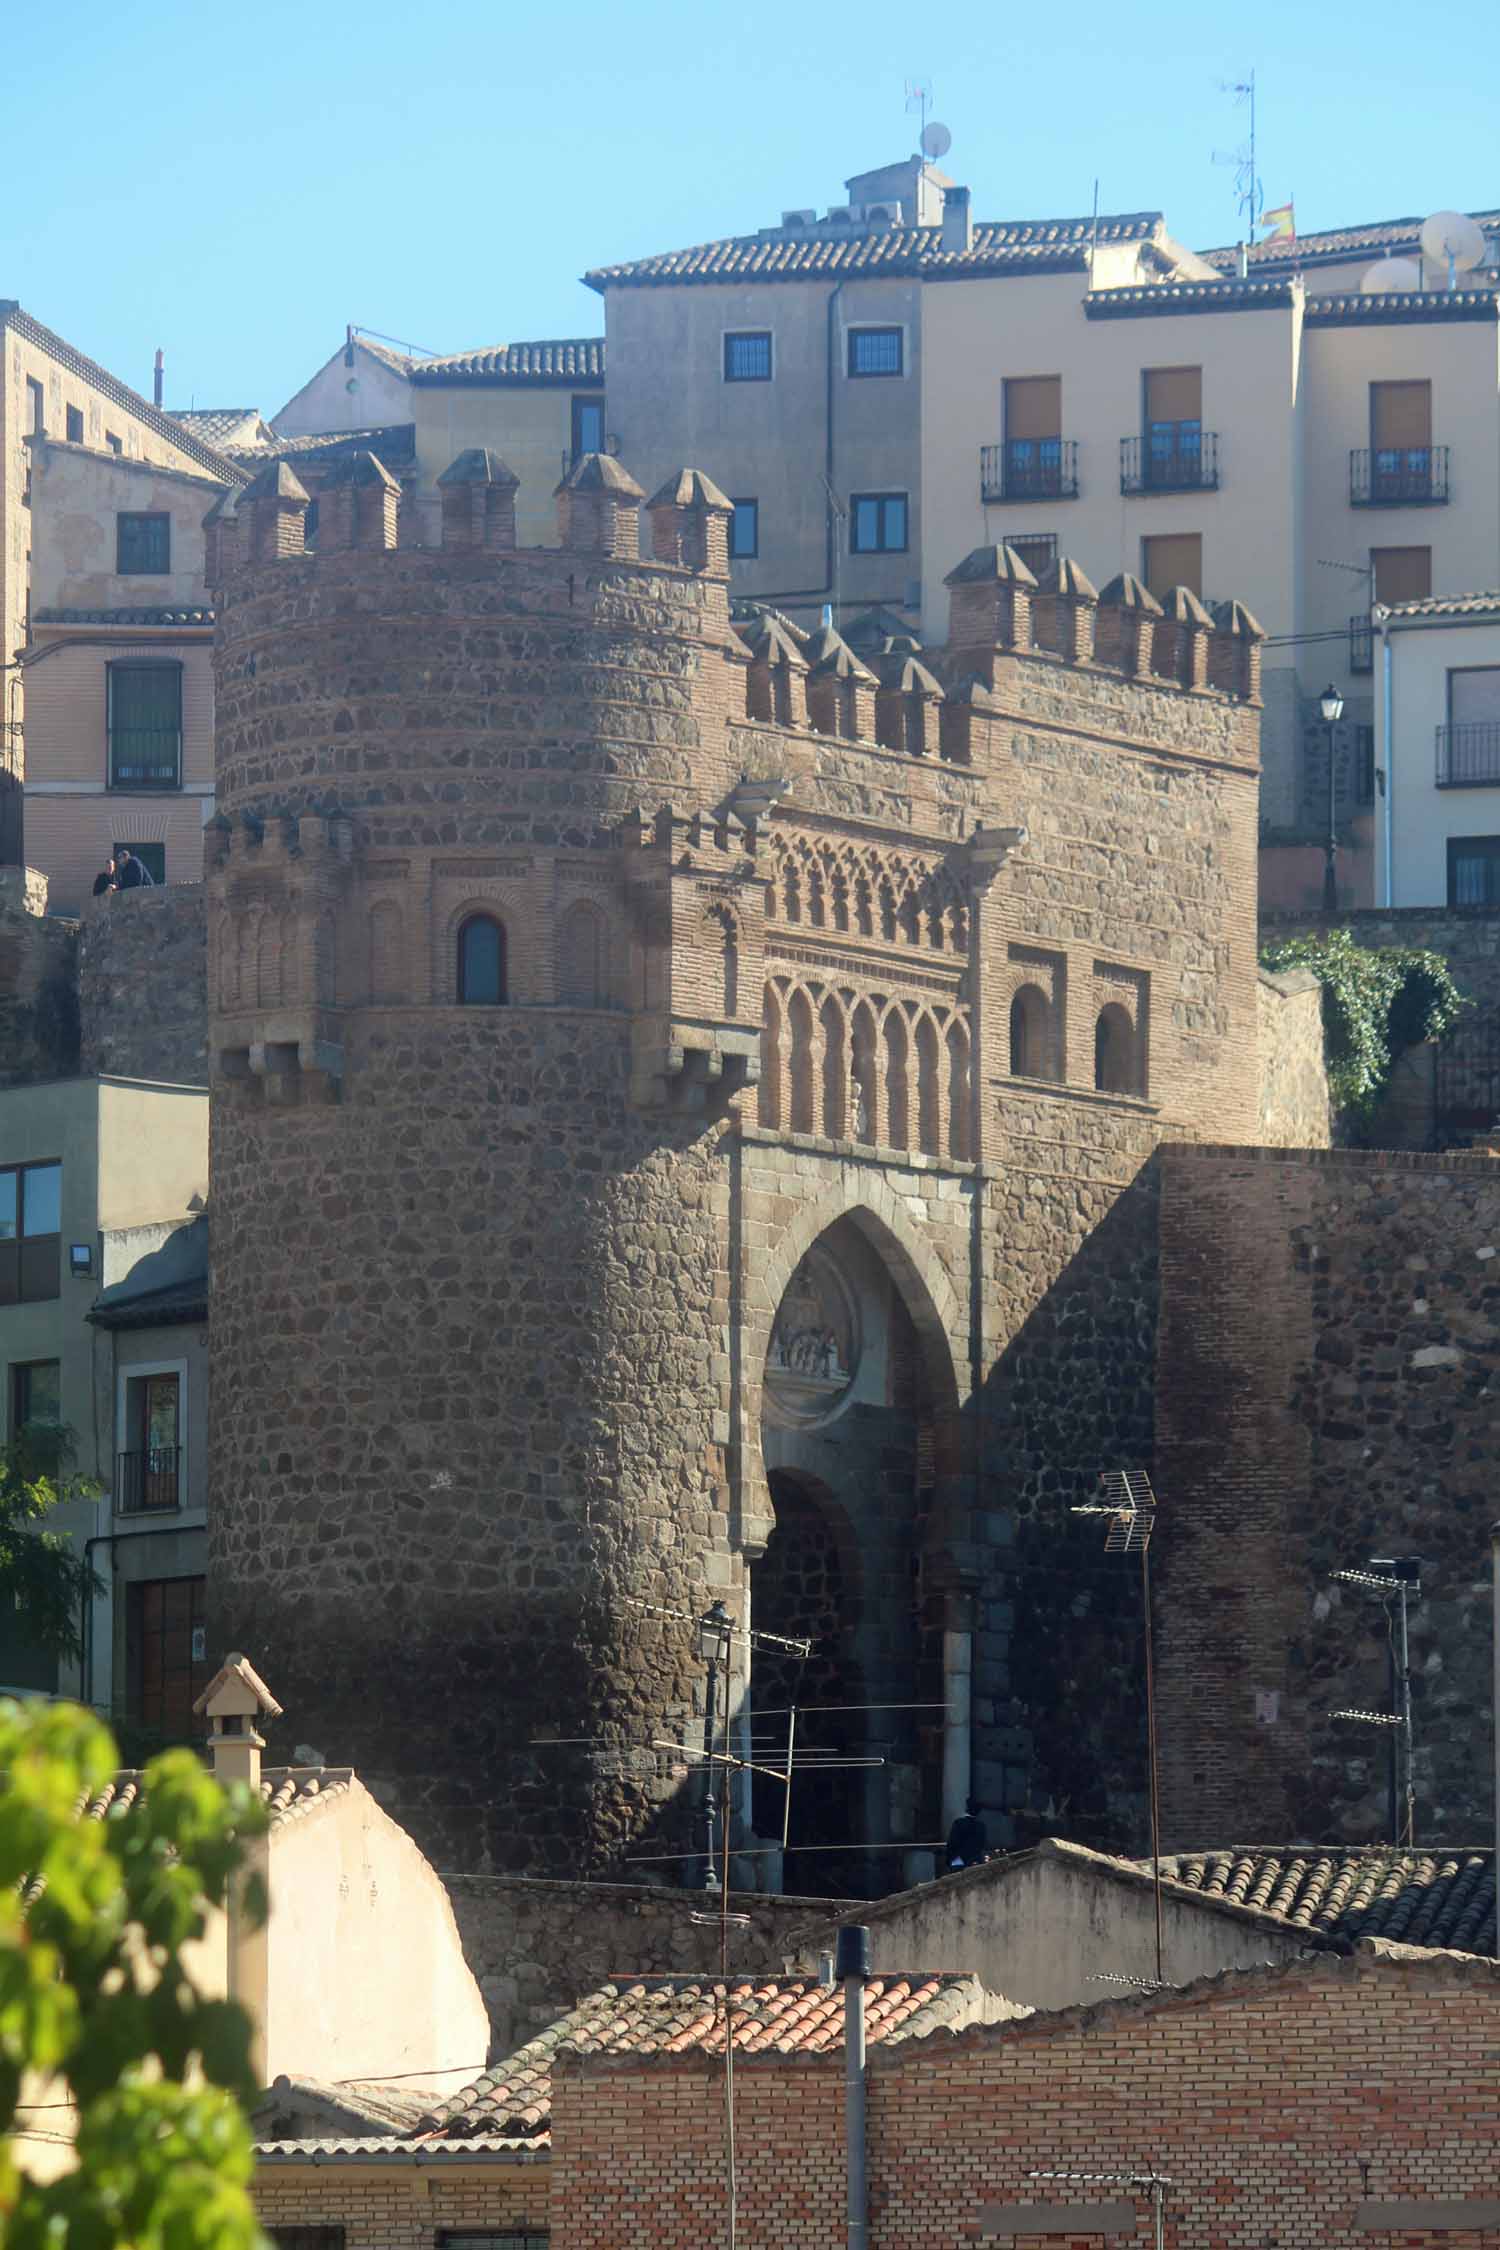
[(713, 1643), (1331, 704)]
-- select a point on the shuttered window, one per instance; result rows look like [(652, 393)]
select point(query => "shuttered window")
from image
[(1402, 574), (1033, 407), (1173, 560), (1174, 394), (1474, 696), (1400, 416), (144, 703)]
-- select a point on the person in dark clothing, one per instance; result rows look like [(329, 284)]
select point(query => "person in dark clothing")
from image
[(105, 879), (968, 1839), (130, 875)]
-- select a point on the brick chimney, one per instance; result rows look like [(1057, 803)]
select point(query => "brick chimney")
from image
[(233, 1700)]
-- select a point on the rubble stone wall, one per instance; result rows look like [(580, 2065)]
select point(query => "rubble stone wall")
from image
[(142, 986), (1294, 1104)]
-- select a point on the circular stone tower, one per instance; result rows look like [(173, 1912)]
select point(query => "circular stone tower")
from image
[(484, 967)]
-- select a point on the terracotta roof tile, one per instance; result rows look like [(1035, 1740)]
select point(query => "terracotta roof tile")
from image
[(1444, 1899), (999, 246), (1447, 605), (682, 2015), (1383, 239), (568, 359), (227, 427), (1393, 307), (140, 617)]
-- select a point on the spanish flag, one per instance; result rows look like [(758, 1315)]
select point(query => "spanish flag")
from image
[(1280, 225)]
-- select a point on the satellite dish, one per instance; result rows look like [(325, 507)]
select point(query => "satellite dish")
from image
[(936, 140), (1391, 277), (1452, 242)]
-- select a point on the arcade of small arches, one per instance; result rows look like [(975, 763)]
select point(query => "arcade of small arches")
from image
[(866, 893), (892, 1072)]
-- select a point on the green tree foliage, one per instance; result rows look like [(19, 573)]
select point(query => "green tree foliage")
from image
[(97, 2005), (40, 1575), (1377, 1001)]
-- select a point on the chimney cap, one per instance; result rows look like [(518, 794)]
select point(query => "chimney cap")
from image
[(479, 466), (237, 1691)]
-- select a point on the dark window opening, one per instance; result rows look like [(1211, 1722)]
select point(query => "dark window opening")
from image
[(1028, 1033), (115, 443), (450, 2238), (1114, 1051), (877, 523), (36, 1395), (744, 530), (307, 2238), (747, 356), (876, 351), (75, 425), (1037, 549), (588, 426), (1474, 871), (36, 409), (481, 962), (147, 1471), (153, 857), (144, 717), (30, 1233), (143, 545)]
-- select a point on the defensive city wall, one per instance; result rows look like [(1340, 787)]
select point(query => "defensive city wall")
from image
[(685, 1104)]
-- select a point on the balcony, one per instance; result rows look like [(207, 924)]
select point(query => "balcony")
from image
[(1186, 460), (148, 1482), (1361, 645), (1404, 476), (1029, 469), (1468, 757)]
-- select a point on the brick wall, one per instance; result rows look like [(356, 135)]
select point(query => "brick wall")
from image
[(1327, 1358), (383, 2207), (1276, 2103)]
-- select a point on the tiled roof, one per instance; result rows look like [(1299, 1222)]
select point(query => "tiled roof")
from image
[(1001, 246), (13, 315), (390, 2149), (287, 1791), (396, 443), (1442, 1899), (1187, 297), (571, 359), (652, 2016), (1386, 238), (223, 426), (1446, 605), (1393, 307), (122, 617)]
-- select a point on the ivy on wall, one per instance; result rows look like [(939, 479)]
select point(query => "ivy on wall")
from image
[(1377, 1001)]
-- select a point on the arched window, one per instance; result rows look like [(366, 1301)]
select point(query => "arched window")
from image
[(481, 962), (1115, 1070), (1028, 1033)]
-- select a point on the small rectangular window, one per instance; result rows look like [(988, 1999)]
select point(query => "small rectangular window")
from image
[(1474, 871), (143, 545), (30, 1229), (153, 857), (1401, 574), (75, 425), (1037, 549), (36, 409), (1474, 696), (35, 1394), (744, 530), (876, 351), (1033, 408), (144, 718), (115, 443), (877, 523), (588, 426), (1401, 416), (1175, 560), (747, 355)]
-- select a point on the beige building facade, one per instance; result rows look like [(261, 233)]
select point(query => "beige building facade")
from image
[(1438, 746)]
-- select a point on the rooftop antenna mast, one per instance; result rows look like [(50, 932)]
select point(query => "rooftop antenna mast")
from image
[(1128, 1504), (1397, 1579), (1249, 195), (919, 98)]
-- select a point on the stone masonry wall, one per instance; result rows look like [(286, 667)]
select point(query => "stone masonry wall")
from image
[(1294, 1106), (1327, 1369), (143, 992), (38, 997), (537, 1948)]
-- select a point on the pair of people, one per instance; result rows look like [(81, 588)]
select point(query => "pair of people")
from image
[(122, 871)]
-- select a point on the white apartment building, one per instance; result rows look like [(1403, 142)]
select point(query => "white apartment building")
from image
[(1437, 749), (882, 388)]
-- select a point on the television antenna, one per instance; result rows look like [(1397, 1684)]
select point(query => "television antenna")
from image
[(1128, 1504), (1155, 2182), (1397, 1579), (919, 98), (1249, 195), (1453, 243)]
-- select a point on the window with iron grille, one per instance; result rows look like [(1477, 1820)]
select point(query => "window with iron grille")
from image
[(30, 1233), (144, 716), (876, 351), (744, 530), (1037, 550), (877, 523), (747, 355), (143, 545)]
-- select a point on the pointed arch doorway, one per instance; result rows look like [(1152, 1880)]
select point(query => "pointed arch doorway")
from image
[(857, 1430)]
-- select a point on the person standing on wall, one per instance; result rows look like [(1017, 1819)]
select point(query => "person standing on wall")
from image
[(130, 875)]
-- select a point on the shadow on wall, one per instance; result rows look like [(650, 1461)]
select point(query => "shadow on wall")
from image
[(1060, 1707)]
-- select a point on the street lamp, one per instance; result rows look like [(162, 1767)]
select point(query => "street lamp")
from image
[(1331, 704), (713, 1644)]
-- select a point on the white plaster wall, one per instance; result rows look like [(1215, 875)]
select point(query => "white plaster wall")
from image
[(369, 395), (1423, 817)]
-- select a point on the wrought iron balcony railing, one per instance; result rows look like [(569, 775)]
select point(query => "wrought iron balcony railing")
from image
[(1187, 461), (148, 1480), (1468, 757), (1402, 476), (1361, 645), (1029, 469)]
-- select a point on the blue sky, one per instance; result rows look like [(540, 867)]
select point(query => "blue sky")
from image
[(235, 184)]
